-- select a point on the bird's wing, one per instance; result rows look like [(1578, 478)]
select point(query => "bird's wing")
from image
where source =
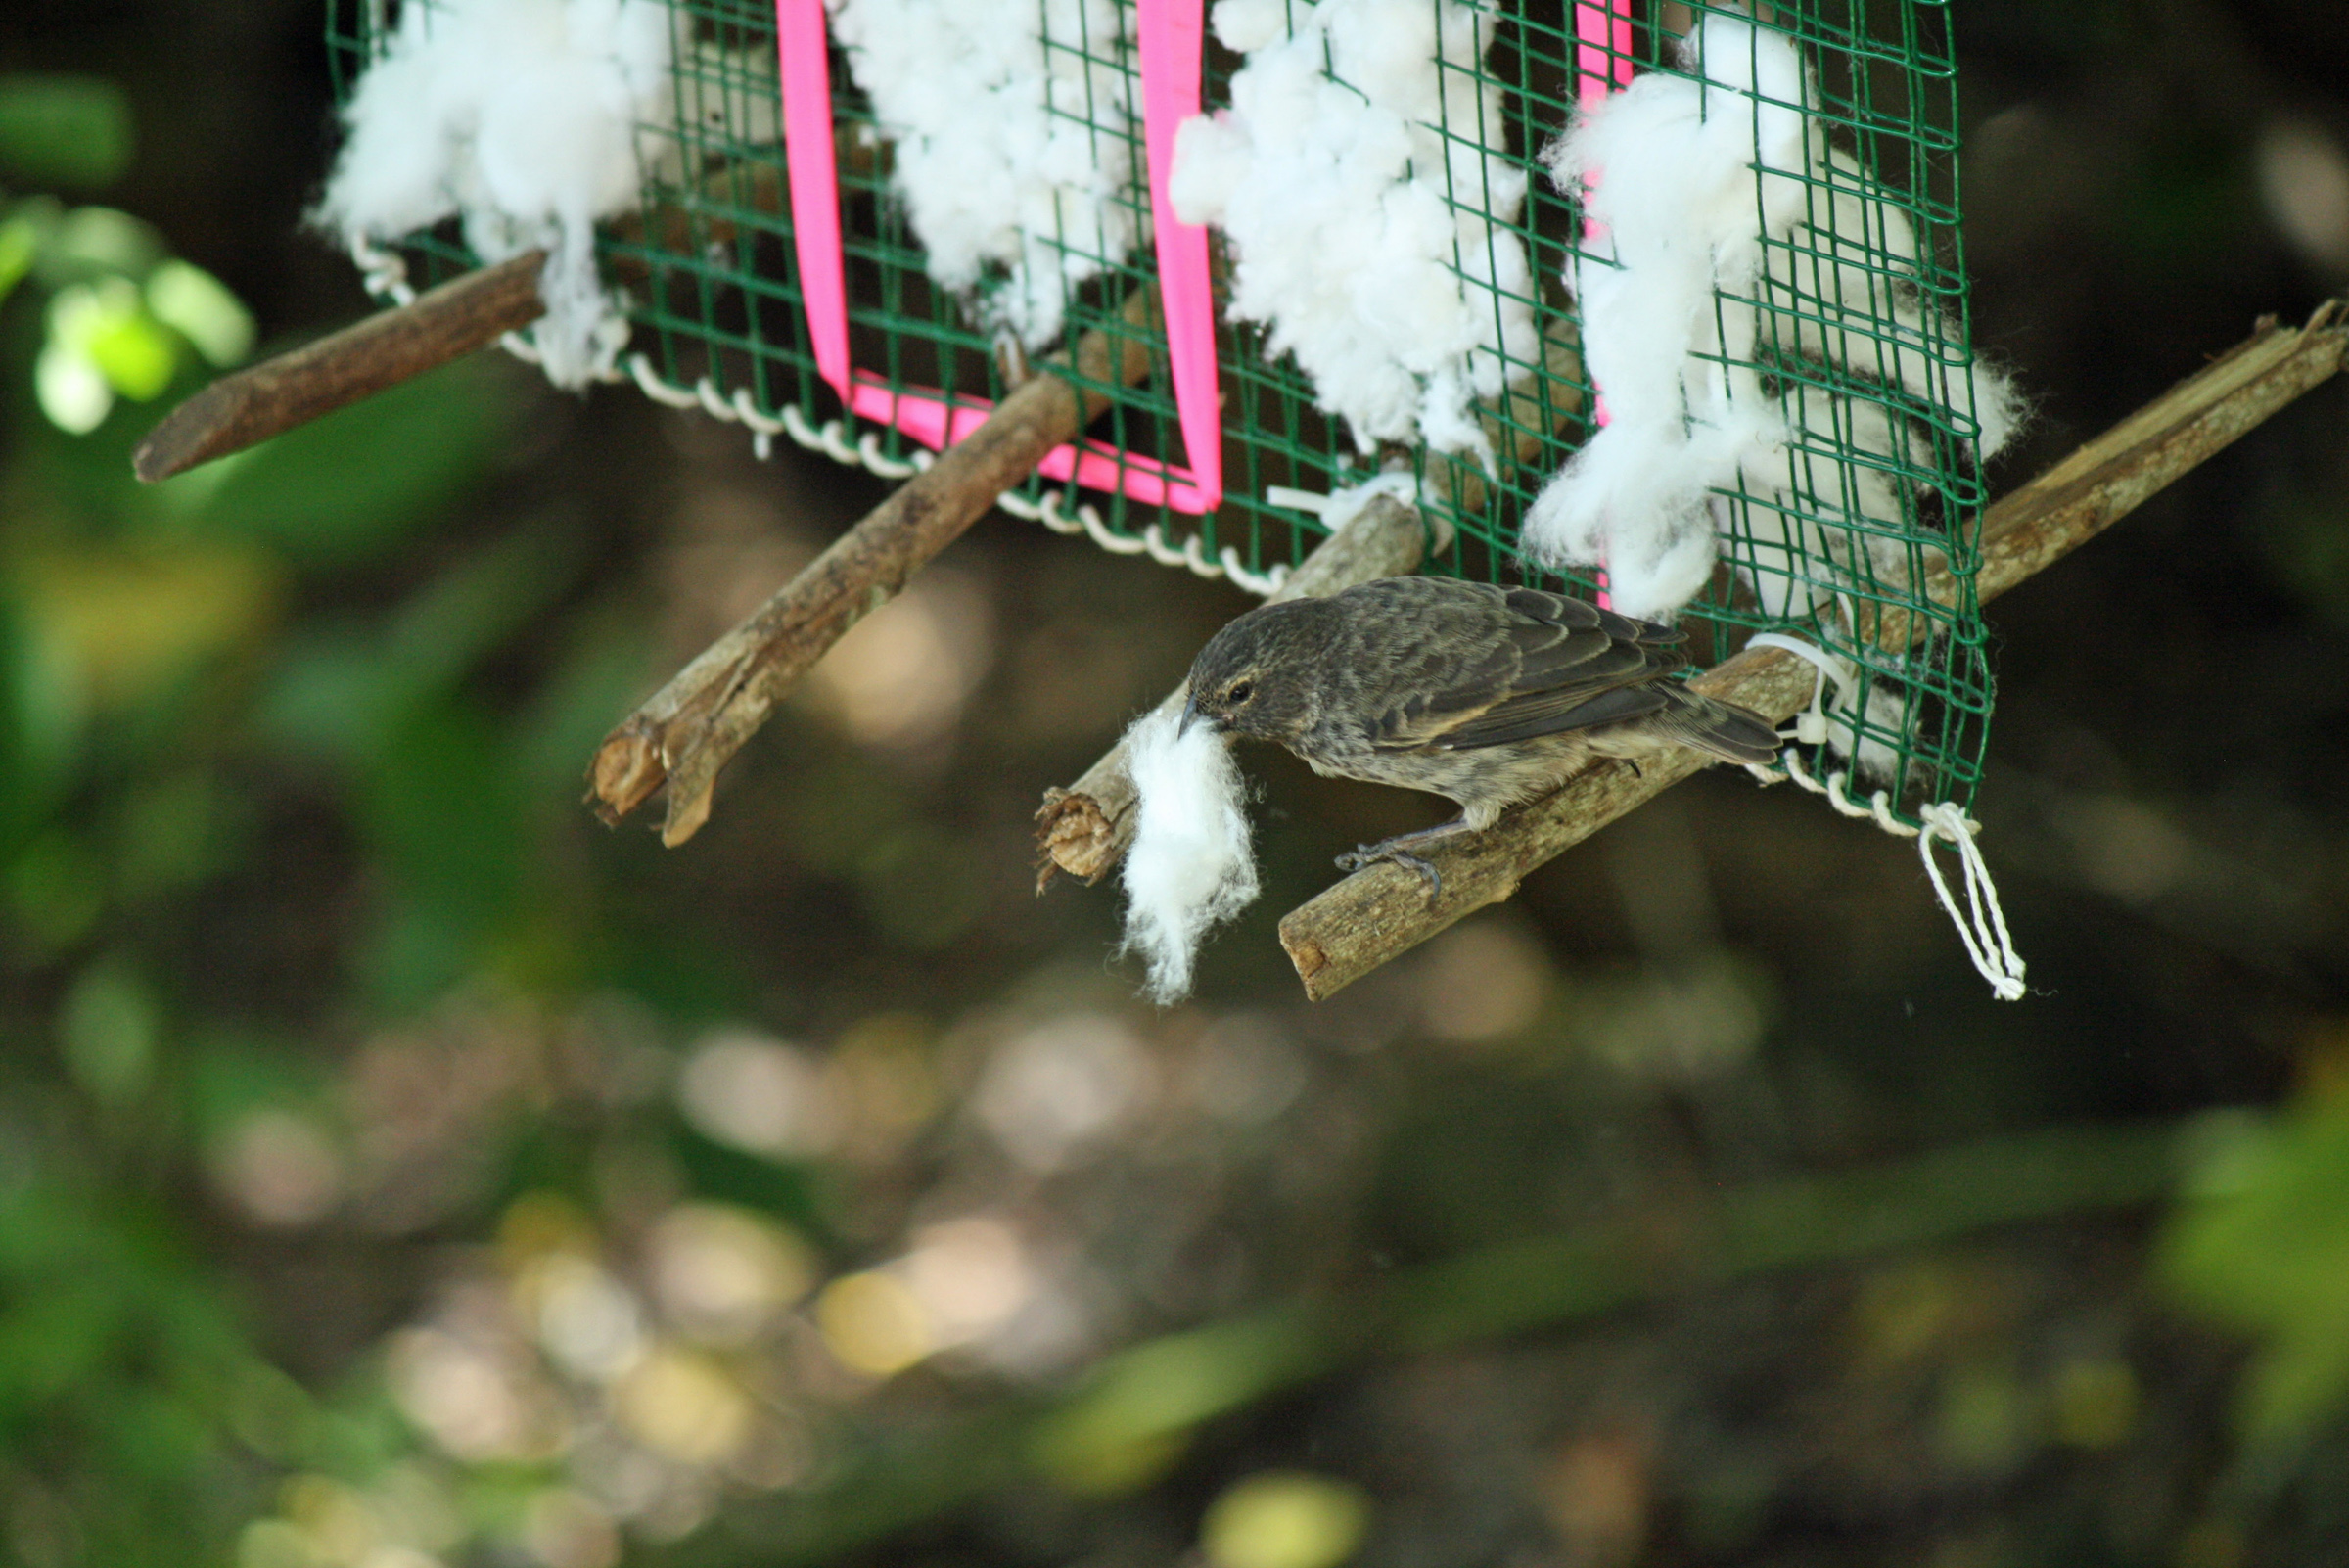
[(1543, 664)]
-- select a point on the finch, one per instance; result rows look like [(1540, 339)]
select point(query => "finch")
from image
[(1488, 695)]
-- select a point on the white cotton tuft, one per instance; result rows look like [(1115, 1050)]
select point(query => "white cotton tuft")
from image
[(1679, 197), (1688, 179), (1012, 142), (1886, 710), (2000, 409), (521, 116), (1244, 26), (1190, 868), (1368, 200)]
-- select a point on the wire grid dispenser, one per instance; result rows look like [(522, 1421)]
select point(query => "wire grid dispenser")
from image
[(787, 284)]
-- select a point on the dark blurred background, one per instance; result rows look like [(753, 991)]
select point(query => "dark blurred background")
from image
[(398, 1168)]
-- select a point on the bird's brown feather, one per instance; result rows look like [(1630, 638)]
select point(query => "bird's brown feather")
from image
[(1547, 664)]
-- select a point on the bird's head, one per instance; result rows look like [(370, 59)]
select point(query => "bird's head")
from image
[(1259, 676)]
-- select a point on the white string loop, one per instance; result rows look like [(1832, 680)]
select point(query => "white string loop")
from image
[(1982, 925), (868, 447), (1987, 941), (649, 382), (712, 401), (748, 411), (1263, 584)]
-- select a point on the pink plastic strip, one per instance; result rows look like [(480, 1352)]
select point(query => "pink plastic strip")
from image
[(804, 69), (1603, 64), (1173, 38), (1602, 47)]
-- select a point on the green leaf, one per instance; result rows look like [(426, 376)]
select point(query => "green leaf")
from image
[(135, 355), (346, 693), (20, 243), (71, 390), (89, 242), (64, 130), (201, 307), (55, 890), (106, 323)]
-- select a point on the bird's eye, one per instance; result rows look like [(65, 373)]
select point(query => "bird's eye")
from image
[(1241, 691)]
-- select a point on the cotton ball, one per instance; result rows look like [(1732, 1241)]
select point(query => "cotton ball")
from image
[(1666, 168), (1012, 136), (1757, 98), (1658, 570), (396, 172), (521, 118), (1247, 26), (2000, 410), (1886, 705), (1335, 193), (1660, 549), (1782, 559), (1210, 160), (1382, 48), (1617, 472), (1190, 868), (1447, 414)]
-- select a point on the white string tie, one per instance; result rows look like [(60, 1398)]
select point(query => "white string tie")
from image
[(1810, 724)]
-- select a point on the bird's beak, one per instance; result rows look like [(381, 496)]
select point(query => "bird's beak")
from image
[(1190, 716)]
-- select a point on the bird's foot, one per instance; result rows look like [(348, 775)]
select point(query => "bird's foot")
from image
[(1394, 851), (1371, 854)]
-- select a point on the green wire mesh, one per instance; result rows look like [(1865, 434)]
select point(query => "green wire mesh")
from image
[(717, 306)]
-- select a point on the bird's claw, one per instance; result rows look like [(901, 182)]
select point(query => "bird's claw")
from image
[(1371, 854)]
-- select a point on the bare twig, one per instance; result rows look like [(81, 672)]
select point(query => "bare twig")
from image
[(688, 729), (1382, 911), (249, 406), (1084, 829)]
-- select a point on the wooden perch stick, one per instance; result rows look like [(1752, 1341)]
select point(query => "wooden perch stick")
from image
[(1383, 911), (249, 406), (685, 733), (1084, 829)]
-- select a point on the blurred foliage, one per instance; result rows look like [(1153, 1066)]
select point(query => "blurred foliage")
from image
[(123, 319), (74, 132), (2262, 1244), (1285, 1520), (397, 1170)]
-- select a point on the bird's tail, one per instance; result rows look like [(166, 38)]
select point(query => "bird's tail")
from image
[(1717, 729)]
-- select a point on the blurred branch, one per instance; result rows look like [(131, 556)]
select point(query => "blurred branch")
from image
[(246, 407), (1141, 1403), (1084, 829), (1383, 911), (685, 733)]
